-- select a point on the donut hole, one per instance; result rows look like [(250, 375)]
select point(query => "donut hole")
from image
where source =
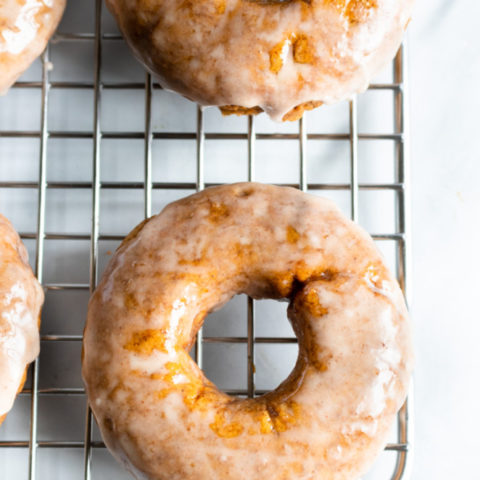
[(226, 346)]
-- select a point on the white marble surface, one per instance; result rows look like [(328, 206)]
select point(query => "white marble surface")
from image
[(445, 106)]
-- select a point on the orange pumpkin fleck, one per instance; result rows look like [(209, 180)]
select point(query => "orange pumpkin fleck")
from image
[(224, 429), (292, 235), (302, 50), (145, 342)]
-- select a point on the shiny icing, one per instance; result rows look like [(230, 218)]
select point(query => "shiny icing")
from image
[(157, 412), (21, 298), (273, 55), (25, 27)]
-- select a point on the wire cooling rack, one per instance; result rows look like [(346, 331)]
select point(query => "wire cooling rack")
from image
[(74, 188)]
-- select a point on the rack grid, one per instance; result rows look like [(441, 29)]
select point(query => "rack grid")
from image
[(304, 135)]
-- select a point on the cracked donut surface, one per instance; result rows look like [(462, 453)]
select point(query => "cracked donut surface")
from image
[(21, 298), (25, 28), (281, 57), (163, 419)]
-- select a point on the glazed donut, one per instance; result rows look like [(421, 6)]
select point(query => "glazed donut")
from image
[(25, 28), (21, 298), (277, 56), (157, 412)]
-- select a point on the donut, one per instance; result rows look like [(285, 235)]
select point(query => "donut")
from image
[(248, 56), (25, 28), (21, 298), (157, 412)]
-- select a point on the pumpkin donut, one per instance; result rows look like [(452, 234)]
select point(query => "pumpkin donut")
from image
[(21, 298), (329, 419), (278, 56), (25, 28)]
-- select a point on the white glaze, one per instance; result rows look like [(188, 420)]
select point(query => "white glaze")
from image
[(25, 27), (355, 354), (21, 298), (222, 57)]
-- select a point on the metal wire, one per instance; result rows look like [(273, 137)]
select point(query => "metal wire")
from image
[(250, 301), (400, 187), (200, 138), (403, 465), (148, 146), (95, 225), (353, 159), (42, 186)]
